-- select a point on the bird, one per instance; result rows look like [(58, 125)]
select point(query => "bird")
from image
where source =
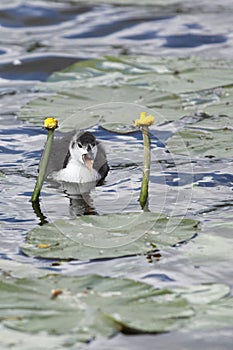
[(77, 157)]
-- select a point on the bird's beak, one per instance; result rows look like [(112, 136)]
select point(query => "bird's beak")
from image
[(88, 162)]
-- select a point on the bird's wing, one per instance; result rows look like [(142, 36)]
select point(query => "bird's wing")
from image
[(100, 163), (59, 152)]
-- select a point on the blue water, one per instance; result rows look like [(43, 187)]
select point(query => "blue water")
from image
[(38, 38)]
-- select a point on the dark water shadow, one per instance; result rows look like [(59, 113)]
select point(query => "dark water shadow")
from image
[(37, 210), (79, 195), (26, 15), (35, 68), (80, 200), (192, 40)]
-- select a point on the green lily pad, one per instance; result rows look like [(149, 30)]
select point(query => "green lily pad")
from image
[(205, 143), (87, 91), (204, 294), (119, 128), (176, 75), (15, 269), (216, 103), (215, 315), (107, 236), (212, 305), (87, 306), (214, 244)]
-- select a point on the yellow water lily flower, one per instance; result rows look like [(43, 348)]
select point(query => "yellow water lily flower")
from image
[(50, 123), (144, 120)]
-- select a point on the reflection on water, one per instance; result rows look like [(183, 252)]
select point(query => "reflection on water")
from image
[(81, 202), (38, 39)]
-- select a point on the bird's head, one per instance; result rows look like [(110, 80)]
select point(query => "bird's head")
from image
[(83, 149)]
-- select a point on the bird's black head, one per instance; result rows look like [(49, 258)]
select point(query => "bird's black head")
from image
[(86, 140), (83, 148)]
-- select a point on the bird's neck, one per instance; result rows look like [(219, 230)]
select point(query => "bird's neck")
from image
[(76, 171)]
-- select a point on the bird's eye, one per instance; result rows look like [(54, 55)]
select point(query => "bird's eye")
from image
[(80, 145)]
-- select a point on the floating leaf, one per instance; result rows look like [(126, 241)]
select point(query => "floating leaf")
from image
[(212, 305), (107, 236), (119, 128), (214, 245), (204, 294), (15, 269), (205, 143), (89, 306), (171, 87)]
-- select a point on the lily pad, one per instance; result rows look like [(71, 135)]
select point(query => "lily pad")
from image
[(213, 307), (87, 306), (215, 315), (214, 244), (107, 236), (169, 87), (204, 294), (202, 143), (15, 269), (119, 128)]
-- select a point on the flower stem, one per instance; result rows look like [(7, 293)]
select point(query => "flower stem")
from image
[(146, 167), (43, 166)]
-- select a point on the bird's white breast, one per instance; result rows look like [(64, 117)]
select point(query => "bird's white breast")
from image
[(76, 172)]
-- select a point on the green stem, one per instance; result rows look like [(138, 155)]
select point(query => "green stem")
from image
[(146, 168), (43, 166)]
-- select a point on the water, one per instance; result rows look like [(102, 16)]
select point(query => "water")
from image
[(40, 37)]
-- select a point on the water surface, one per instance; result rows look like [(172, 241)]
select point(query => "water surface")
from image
[(38, 38)]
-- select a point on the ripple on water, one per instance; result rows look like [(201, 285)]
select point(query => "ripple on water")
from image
[(26, 15), (192, 40), (39, 39)]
